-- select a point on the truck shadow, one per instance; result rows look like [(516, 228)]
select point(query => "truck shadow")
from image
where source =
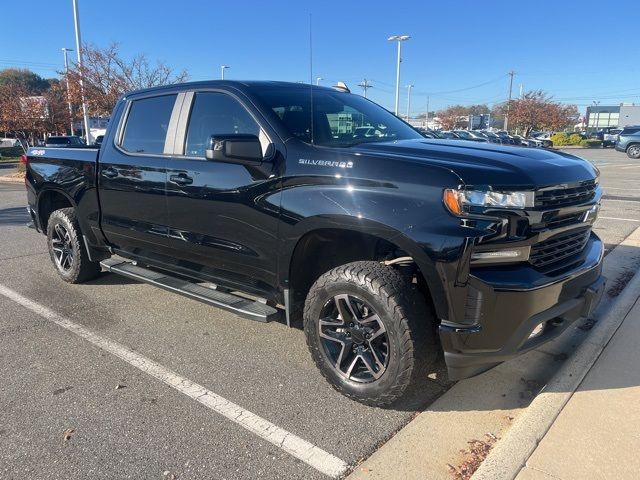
[(14, 216)]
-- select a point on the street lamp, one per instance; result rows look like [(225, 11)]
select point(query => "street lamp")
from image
[(409, 87), (399, 39), (66, 76), (222, 69), (318, 80), (595, 104), (76, 21)]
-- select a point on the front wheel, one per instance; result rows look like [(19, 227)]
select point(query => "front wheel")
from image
[(369, 331), (633, 151), (66, 249)]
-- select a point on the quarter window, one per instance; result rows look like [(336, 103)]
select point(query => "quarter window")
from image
[(147, 124), (216, 113)]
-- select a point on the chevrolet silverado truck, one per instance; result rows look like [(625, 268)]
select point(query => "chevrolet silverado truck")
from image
[(268, 200)]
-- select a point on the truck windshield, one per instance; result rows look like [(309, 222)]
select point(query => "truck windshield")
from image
[(339, 119)]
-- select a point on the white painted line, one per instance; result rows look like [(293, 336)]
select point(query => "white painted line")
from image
[(625, 201), (617, 218), (307, 452)]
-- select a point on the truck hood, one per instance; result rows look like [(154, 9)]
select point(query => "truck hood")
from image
[(488, 164)]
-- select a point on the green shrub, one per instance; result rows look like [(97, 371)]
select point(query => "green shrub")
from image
[(559, 139), (591, 143), (574, 139)]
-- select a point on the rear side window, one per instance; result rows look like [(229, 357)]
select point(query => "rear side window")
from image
[(216, 113), (147, 124), (630, 131)]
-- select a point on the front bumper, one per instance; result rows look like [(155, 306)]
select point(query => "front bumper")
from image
[(510, 303)]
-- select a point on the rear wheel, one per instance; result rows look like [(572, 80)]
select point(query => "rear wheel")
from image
[(633, 151), (66, 249), (369, 331)]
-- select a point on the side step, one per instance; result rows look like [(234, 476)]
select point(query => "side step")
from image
[(253, 310)]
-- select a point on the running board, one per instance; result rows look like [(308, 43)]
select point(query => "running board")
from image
[(253, 310)]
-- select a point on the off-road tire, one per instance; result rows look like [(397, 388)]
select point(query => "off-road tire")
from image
[(407, 317), (81, 269)]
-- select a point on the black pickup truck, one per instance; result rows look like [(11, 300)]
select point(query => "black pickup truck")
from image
[(271, 200)]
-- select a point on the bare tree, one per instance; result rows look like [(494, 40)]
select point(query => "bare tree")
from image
[(107, 76)]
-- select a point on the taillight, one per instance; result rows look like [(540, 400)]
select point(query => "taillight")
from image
[(24, 159)]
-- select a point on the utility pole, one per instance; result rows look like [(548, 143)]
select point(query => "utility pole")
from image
[(399, 39), (66, 76), (76, 21), (426, 115), (409, 87), (365, 86), (506, 117), (222, 69)]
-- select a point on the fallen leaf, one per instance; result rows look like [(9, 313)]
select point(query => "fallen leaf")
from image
[(68, 433)]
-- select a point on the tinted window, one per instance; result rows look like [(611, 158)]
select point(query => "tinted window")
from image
[(216, 114), (58, 141), (630, 131), (147, 124), (338, 118)]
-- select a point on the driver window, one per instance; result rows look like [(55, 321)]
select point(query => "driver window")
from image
[(215, 113)]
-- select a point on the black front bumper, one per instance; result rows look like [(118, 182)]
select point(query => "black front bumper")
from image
[(509, 304)]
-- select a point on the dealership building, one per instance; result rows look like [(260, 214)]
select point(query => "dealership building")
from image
[(602, 116)]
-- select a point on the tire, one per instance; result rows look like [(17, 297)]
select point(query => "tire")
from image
[(392, 332), (67, 250), (633, 151)]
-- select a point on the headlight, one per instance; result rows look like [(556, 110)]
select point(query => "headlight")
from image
[(458, 201)]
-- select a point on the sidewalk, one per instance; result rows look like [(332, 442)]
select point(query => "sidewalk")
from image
[(597, 434)]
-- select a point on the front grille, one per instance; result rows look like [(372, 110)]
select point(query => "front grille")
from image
[(566, 196), (559, 250)]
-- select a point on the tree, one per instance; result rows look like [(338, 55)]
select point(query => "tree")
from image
[(26, 79), (537, 111), (107, 76), (452, 117)]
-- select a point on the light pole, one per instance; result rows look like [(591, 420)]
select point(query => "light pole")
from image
[(318, 80), (506, 117), (66, 76), (409, 87), (399, 39), (426, 115), (222, 69), (76, 21), (595, 104)]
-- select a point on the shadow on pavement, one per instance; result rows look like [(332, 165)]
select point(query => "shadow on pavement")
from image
[(14, 216)]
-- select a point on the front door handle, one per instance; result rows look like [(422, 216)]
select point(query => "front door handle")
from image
[(110, 172), (181, 179)]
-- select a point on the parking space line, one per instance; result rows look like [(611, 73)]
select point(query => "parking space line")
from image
[(618, 218), (309, 453)]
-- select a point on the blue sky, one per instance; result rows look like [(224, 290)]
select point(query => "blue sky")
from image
[(460, 51)]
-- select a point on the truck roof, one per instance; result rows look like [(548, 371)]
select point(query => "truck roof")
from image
[(240, 84)]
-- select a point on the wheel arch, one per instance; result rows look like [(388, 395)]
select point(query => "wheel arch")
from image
[(50, 200), (326, 246)]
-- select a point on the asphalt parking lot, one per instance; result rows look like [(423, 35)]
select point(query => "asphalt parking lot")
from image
[(70, 408)]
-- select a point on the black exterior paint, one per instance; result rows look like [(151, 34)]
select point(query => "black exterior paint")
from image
[(239, 226)]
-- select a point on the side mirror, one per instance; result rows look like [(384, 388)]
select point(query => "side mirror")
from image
[(234, 148)]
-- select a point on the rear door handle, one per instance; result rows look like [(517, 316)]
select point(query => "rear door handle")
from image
[(110, 172), (181, 179)]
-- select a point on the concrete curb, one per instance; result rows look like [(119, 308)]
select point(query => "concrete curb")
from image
[(511, 453), (12, 179)]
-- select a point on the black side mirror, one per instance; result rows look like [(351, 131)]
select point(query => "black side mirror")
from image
[(234, 148)]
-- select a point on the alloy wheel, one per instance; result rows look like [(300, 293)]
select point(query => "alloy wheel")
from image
[(634, 151), (354, 339), (62, 247)]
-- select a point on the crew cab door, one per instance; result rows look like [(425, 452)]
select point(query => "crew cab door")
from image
[(132, 177), (222, 217)]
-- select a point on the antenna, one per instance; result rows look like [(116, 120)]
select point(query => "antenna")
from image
[(311, 74)]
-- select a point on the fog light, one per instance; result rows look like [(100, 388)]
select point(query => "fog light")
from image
[(519, 254), (537, 331)]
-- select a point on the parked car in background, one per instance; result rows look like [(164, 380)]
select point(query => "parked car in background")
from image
[(448, 134), (427, 132), (466, 135), (506, 138), (610, 138), (544, 138), (98, 141), (519, 140), (64, 141), (492, 137), (629, 141)]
